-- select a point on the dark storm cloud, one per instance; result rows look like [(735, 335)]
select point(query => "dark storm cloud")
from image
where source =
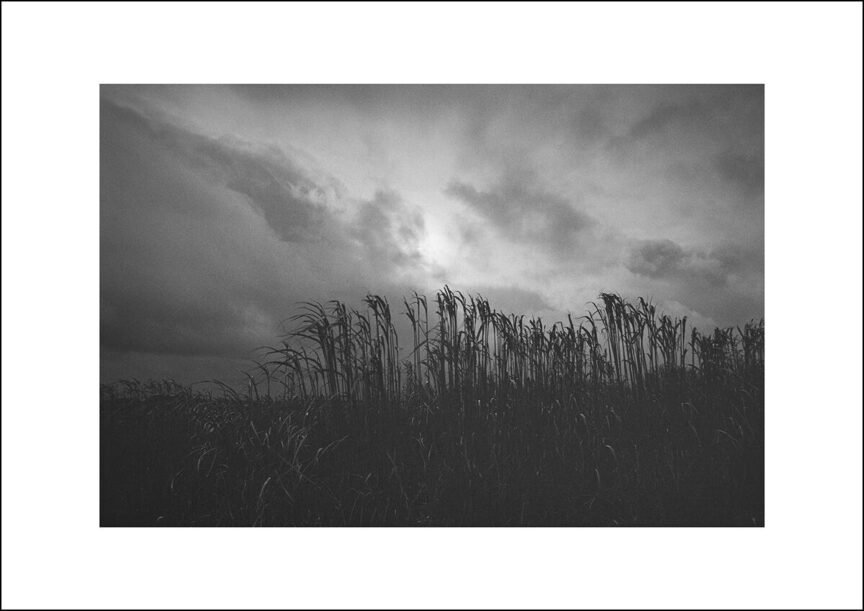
[(524, 211), (171, 278), (207, 244), (285, 197), (667, 260), (656, 258), (276, 185)]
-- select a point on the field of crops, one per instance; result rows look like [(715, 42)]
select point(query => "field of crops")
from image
[(622, 417)]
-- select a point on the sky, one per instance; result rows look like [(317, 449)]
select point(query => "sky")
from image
[(223, 207)]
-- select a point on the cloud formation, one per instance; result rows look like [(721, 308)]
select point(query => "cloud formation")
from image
[(209, 243), (664, 259), (223, 207), (524, 212), (390, 230)]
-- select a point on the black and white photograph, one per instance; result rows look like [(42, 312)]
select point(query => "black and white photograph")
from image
[(432, 305), (475, 305)]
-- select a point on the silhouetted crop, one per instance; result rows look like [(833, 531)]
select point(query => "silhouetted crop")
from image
[(619, 417)]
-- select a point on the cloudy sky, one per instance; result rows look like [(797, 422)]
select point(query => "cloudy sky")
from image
[(224, 206)]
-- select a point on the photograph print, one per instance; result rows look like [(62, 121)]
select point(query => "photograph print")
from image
[(431, 305)]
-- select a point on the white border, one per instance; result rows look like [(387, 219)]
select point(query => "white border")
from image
[(54, 57)]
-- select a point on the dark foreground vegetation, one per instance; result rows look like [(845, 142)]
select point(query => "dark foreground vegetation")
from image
[(623, 417)]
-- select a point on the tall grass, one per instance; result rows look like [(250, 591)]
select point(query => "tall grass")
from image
[(472, 348), (622, 416)]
